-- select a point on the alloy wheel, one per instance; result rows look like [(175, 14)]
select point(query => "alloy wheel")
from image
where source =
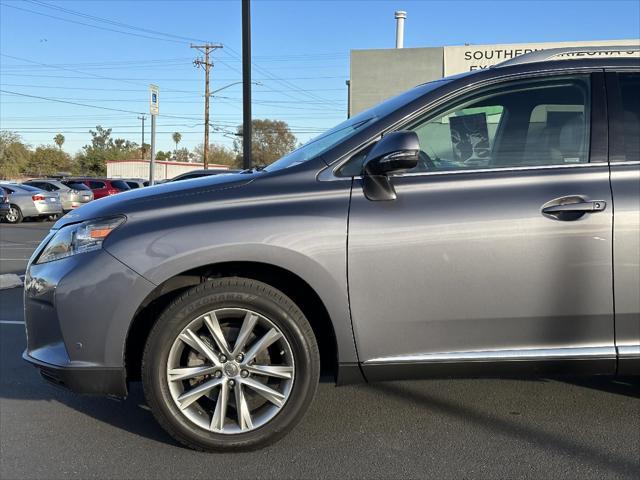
[(230, 370), (12, 215)]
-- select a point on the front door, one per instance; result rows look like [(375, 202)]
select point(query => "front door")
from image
[(498, 246)]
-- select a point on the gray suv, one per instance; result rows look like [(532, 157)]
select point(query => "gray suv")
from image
[(485, 224)]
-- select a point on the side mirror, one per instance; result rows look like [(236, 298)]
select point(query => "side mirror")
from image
[(395, 152)]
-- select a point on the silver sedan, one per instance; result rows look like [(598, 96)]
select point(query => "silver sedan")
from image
[(30, 202), (72, 194)]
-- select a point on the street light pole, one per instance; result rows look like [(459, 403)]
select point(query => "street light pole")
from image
[(246, 84)]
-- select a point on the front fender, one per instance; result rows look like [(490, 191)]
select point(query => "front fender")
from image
[(304, 233)]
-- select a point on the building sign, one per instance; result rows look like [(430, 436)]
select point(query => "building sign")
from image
[(465, 58), (154, 99)]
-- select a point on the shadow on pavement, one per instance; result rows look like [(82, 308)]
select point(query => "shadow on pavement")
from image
[(601, 458), (628, 386)]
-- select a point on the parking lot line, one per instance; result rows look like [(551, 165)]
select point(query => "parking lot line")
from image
[(11, 322)]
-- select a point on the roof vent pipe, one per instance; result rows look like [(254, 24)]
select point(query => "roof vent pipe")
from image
[(400, 16)]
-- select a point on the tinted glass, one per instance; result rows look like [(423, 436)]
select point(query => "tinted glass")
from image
[(44, 186), (189, 176), (532, 124), (120, 184), (350, 127), (95, 185), (28, 188), (133, 185), (75, 185), (630, 94)]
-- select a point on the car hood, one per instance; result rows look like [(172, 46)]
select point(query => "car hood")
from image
[(157, 197)]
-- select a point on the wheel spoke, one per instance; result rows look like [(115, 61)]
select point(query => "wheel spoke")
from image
[(277, 371), (244, 415), (267, 392), (194, 341), (178, 374), (220, 413), (268, 338), (211, 321), (230, 370), (250, 320), (190, 396)]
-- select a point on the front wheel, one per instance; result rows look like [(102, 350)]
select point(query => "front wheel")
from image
[(232, 364)]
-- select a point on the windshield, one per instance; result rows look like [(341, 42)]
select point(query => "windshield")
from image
[(321, 143), (350, 127), (28, 188), (76, 185), (120, 185)]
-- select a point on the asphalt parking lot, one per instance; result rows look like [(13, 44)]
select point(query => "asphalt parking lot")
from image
[(570, 428)]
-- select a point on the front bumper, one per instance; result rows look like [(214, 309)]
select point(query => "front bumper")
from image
[(78, 311), (96, 381)]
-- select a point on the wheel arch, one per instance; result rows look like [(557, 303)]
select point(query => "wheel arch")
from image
[(290, 283)]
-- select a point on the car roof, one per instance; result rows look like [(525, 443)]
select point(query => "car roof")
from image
[(208, 170), (51, 180), (563, 54), (18, 186)]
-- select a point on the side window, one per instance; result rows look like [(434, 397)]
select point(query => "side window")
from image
[(630, 96), (522, 124), (95, 185), (461, 138), (45, 186)]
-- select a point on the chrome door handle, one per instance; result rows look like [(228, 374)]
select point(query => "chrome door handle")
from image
[(577, 207)]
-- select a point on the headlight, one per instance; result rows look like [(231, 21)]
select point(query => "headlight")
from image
[(79, 238)]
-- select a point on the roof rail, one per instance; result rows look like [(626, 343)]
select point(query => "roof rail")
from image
[(568, 53)]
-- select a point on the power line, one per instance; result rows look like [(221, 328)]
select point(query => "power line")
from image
[(62, 87), (69, 103), (116, 23), (89, 25), (155, 32), (62, 68)]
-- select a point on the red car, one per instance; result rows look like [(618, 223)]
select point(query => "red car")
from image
[(103, 187)]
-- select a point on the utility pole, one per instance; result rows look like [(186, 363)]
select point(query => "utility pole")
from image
[(246, 84), (205, 49), (143, 118)]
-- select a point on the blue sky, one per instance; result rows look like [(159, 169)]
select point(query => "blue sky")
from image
[(301, 57)]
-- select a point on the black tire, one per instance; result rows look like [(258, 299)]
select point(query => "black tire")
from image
[(231, 292), (14, 215)]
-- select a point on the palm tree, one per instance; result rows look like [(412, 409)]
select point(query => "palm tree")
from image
[(176, 139), (59, 140)]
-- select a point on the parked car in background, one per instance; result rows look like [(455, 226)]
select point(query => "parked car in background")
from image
[(71, 197), (201, 173), (484, 224), (135, 182), (102, 187), (26, 201), (4, 203)]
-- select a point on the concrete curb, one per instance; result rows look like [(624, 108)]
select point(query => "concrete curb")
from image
[(11, 280)]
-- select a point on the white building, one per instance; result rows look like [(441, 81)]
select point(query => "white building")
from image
[(163, 170)]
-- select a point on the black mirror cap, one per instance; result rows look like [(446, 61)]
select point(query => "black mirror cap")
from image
[(396, 151)]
